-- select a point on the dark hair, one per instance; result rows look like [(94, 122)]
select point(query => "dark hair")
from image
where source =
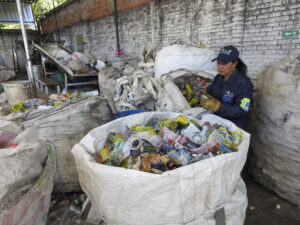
[(242, 67)]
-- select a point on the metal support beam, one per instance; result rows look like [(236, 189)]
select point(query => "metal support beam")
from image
[(29, 64)]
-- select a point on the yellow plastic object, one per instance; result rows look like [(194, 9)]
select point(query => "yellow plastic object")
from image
[(189, 89), (183, 120), (115, 138), (141, 128), (170, 124), (237, 137), (193, 102), (105, 156), (19, 106)]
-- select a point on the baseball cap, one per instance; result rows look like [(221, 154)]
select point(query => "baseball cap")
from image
[(227, 54)]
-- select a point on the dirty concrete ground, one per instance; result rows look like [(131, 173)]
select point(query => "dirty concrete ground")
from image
[(264, 211), (264, 208)]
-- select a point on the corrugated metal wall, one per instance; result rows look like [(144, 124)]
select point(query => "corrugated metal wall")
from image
[(9, 13)]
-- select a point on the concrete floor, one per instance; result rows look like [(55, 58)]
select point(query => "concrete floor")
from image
[(264, 211), (261, 208)]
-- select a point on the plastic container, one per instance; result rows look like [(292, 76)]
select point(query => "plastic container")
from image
[(16, 91)]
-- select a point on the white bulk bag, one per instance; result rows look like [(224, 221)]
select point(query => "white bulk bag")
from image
[(176, 57), (32, 207), (65, 125), (276, 146), (21, 165), (188, 195)]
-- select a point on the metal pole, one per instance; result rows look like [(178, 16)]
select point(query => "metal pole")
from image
[(34, 93), (117, 24)]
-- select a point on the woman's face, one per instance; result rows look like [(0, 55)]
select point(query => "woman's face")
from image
[(226, 69)]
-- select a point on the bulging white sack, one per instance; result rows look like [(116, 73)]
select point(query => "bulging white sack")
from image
[(22, 165), (176, 57), (188, 195), (32, 207), (65, 126), (276, 146)]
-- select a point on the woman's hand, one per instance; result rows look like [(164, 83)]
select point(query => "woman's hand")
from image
[(209, 102)]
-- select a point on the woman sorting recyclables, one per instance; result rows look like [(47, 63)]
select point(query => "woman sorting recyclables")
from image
[(231, 92)]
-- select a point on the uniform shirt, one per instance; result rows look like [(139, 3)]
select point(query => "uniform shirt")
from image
[(235, 95)]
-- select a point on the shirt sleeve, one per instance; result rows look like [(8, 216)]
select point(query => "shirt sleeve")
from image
[(241, 104)]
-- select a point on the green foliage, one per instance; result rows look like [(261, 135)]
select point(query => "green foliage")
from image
[(41, 7), (9, 26)]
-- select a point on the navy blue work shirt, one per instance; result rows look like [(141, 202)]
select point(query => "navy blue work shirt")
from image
[(235, 95)]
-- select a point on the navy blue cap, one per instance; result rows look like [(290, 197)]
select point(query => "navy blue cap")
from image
[(227, 54)]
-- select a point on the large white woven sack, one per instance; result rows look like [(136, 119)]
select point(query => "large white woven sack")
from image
[(65, 126), (276, 145), (176, 57), (32, 207), (187, 195), (20, 166)]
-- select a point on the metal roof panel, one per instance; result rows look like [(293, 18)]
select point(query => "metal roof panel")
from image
[(9, 13)]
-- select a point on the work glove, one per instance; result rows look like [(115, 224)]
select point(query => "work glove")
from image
[(209, 102)]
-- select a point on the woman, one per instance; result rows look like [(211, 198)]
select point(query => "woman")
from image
[(231, 92)]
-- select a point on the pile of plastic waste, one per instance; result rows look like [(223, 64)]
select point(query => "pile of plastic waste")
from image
[(54, 100), (165, 144), (76, 61), (191, 87)]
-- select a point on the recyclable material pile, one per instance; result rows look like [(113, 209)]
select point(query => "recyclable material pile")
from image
[(54, 100), (191, 87), (165, 144), (76, 61)]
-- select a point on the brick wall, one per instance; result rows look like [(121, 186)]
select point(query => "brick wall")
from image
[(75, 11), (254, 26)]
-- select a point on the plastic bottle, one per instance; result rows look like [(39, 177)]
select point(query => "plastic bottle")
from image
[(92, 93)]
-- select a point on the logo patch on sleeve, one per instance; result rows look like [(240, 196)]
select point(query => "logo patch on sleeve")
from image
[(245, 104)]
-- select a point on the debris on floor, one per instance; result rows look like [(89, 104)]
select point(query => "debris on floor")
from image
[(66, 209)]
